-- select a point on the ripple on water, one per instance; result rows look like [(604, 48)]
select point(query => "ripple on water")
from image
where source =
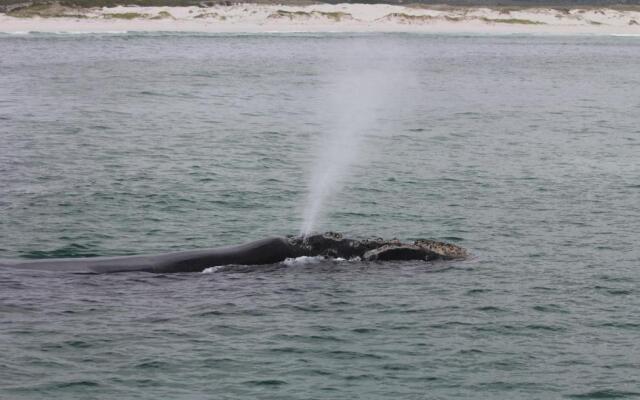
[(604, 394), (173, 141)]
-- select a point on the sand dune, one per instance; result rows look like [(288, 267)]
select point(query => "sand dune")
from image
[(323, 18)]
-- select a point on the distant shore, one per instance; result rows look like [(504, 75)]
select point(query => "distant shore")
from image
[(323, 18)]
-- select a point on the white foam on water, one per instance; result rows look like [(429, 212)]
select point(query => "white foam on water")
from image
[(294, 262), (212, 270), (303, 260), (307, 260)]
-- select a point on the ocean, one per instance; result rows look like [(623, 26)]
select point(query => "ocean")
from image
[(522, 149)]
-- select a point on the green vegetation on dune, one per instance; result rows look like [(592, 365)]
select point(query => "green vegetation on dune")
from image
[(127, 15), (163, 15), (46, 11), (211, 15), (6, 5), (335, 16), (289, 14), (22, 8), (57, 10), (427, 18), (512, 21), (408, 17)]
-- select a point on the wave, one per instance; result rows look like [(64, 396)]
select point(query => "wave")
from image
[(212, 270), (291, 262), (304, 260)]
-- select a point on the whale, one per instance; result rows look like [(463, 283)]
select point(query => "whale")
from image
[(270, 250), (264, 251)]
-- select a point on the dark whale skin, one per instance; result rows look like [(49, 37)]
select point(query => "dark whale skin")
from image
[(264, 251)]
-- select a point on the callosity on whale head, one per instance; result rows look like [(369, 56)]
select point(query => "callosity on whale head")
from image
[(331, 244)]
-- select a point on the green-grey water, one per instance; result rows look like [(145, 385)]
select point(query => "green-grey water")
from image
[(524, 150)]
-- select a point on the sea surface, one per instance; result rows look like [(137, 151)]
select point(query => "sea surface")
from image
[(523, 149)]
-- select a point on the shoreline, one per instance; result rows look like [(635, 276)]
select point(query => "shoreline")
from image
[(319, 18)]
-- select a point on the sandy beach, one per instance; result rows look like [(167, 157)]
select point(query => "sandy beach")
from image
[(323, 18)]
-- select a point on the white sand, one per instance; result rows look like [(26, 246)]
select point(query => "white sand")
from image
[(335, 18)]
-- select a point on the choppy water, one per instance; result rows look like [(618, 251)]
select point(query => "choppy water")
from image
[(522, 149)]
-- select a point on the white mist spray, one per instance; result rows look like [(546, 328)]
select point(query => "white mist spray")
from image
[(354, 105)]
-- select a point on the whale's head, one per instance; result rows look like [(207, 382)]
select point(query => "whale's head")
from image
[(332, 244)]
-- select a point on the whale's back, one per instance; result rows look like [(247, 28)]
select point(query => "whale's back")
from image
[(264, 251)]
